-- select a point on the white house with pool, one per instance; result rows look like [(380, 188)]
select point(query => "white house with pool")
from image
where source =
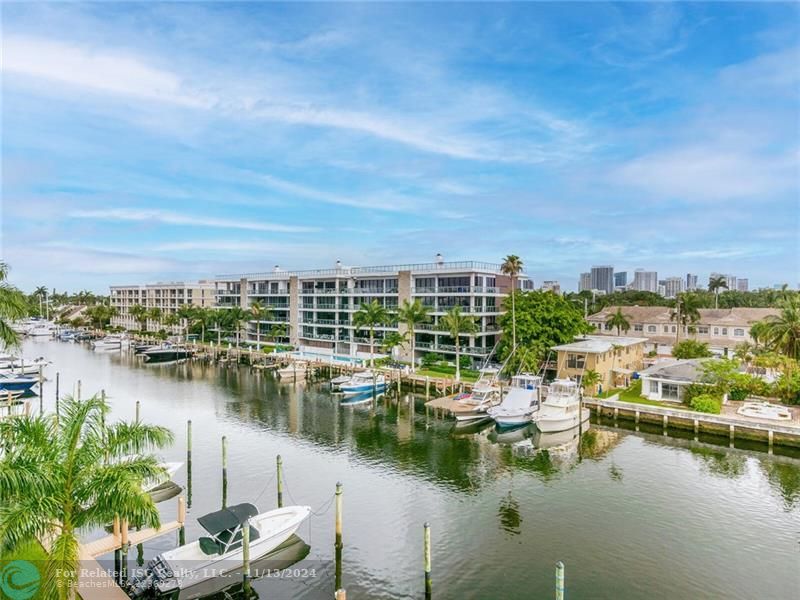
[(667, 380)]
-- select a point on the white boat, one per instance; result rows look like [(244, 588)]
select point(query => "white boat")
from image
[(41, 330), (293, 371), (485, 394), (366, 381), (221, 551), (561, 408), (170, 468), (21, 366), (110, 341), (337, 382), (520, 403)]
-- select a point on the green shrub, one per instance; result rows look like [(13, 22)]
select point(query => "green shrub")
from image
[(693, 390), (706, 403), (430, 359), (738, 394), (465, 362), (690, 349)]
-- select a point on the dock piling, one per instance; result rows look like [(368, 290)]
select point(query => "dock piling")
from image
[(57, 399), (246, 557), (427, 556), (138, 410), (189, 462), (224, 471), (559, 580), (279, 475), (338, 544), (41, 391), (340, 595)]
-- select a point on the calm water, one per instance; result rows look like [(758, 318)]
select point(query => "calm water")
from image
[(632, 515)]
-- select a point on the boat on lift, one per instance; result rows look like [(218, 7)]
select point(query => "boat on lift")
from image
[(520, 403), (221, 551), (485, 394), (366, 381)]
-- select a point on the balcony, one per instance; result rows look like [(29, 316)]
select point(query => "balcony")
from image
[(461, 289)]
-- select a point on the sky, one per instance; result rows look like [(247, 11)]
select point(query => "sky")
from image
[(179, 141)]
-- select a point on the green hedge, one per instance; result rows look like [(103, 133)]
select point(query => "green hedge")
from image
[(706, 403)]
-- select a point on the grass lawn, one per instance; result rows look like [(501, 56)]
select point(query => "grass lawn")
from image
[(449, 373), (634, 394)]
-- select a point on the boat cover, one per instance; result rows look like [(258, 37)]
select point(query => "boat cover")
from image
[(227, 518)]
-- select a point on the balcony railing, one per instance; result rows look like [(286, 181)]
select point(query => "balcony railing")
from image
[(460, 289), (450, 348)]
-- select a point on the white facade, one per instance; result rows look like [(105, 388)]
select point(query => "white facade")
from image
[(169, 297), (645, 281), (316, 307), (673, 286)]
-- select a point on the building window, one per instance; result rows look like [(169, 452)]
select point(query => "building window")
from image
[(724, 331), (638, 327), (673, 329), (669, 391), (576, 361), (702, 330), (666, 328), (608, 326), (716, 330), (653, 387), (738, 332), (651, 328)]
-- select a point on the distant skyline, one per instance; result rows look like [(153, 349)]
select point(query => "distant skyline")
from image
[(152, 142)]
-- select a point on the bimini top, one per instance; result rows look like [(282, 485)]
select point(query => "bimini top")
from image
[(227, 518)]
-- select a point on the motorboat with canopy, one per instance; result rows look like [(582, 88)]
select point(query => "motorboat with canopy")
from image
[(485, 394), (520, 403), (220, 551)]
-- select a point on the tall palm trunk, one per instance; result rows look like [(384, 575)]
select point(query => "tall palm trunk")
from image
[(458, 360), (413, 349), (371, 345)]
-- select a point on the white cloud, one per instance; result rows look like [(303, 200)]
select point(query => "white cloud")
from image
[(170, 218)]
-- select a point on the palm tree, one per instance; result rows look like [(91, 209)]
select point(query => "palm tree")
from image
[(590, 379), (41, 293), (368, 317), (619, 321), (237, 317), (392, 340), (457, 323), (59, 476), (260, 313), (758, 331), (715, 284), (783, 330), (156, 314), (413, 314), (139, 312), (512, 266), (278, 331), (13, 306)]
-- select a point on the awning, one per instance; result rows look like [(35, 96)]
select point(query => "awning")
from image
[(227, 518), (622, 371)]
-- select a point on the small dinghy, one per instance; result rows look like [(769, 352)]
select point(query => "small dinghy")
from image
[(220, 552)]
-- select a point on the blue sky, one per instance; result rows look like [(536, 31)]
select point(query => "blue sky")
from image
[(145, 142)]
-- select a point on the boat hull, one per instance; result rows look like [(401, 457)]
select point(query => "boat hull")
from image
[(508, 421), (547, 424), (17, 385), (165, 356), (361, 389)]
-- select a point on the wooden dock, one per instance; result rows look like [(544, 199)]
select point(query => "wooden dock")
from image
[(773, 433)]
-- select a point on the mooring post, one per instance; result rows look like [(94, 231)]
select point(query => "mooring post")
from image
[(338, 544), (340, 595), (559, 580), (57, 403), (123, 575), (427, 387), (138, 410), (770, 435), (427, 556), (246, 557), (224, 471), (637, 417), (189, 462), (78, 390), (182, 521), (279, 475), (41, 391)]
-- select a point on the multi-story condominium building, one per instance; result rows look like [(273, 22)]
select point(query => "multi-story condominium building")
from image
[(691, 281), (316, 307), (169, 297), (551, 286), (621, 279), (722, 329), (645, 281), (585, 282), (743, 284), (602, 278), (673, 286)]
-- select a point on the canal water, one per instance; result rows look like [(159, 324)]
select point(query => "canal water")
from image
[(632, 515)]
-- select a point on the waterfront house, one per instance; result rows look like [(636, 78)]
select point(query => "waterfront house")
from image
[(722, 329), (317, 306), (614, 358), (668, 379)]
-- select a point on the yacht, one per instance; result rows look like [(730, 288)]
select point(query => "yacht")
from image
[(520, 403), (166, 354), (221, 551), (294, 370), (20, 366), (561, 408), (337, 382), (366, 381), (108, 342), (42, 329), (485, 394)]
